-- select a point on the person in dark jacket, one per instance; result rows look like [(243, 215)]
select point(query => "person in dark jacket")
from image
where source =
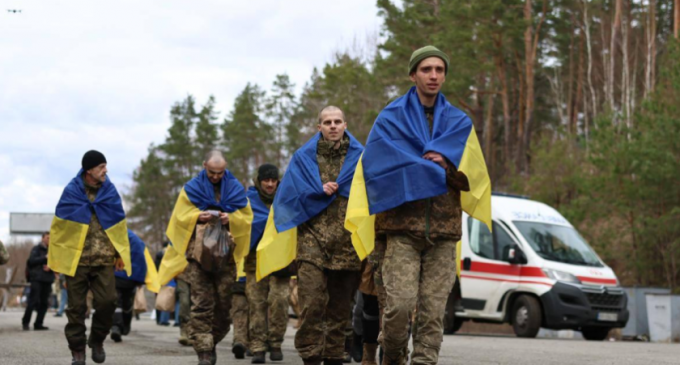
[(41, 285)]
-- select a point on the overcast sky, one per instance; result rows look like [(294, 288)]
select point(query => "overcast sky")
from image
[(80, 75)]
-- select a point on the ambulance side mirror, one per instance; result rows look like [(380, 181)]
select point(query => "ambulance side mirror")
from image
[(514, 255)]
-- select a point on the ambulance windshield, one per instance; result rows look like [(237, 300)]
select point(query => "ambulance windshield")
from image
[(558, 243)]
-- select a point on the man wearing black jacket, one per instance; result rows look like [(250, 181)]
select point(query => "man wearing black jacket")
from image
[(41, 284)]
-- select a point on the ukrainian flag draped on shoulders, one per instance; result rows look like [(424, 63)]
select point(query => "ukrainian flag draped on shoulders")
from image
[(260, 215), (392, 170), (196, 196), (299, 198), (143, 267), (72, 221)]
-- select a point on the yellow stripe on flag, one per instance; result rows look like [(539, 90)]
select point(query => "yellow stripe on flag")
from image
[(118, 234), (240, 224), (276, 250), (358, 219), (179, 232), (67, 239), (477, 201), (151, 279)]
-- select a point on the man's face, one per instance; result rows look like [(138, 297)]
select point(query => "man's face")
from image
[(269, 185), (429, 76), (215, 169), (332, 125), (98, 173), (46, 240)]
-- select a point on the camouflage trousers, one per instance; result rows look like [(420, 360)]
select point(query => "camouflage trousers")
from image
[(268, 311), (183, 294), (102, 282), (210, 305), (326, 301), (239, 314), (416, 274)]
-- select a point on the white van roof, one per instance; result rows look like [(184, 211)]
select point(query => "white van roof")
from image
[(508, 209)]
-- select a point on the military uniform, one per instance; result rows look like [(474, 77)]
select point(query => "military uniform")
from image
[(419, 268), (95, 273), (184, 297), (4, 255), (239, 313), (268, 302), (328, 269), (210, 292)]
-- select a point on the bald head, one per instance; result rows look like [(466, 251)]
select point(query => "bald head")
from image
[(215, 166), (330, 108)]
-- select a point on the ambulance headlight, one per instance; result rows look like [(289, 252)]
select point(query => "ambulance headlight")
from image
[(561, 276)]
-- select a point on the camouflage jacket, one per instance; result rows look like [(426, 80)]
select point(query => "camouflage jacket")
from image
[(98, 249), (438, 217), (323, 240), (4, 255)]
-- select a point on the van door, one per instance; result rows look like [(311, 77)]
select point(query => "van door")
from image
[(487, 280)]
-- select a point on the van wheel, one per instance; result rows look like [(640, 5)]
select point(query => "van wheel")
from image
[(595, 333), (526, 316), (451, 323)]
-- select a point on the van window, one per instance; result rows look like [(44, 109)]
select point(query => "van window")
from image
[(558, 243), (482, 241)]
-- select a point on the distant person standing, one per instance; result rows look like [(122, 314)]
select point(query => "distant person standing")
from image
[(90, 240), (63, 297), (4, 255), (41, 285)]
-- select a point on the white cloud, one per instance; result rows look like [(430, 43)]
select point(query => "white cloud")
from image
[(82, 74)]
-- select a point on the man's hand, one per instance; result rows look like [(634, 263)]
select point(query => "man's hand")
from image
[(330, 188), (224, 217), (120, 265), (436, 158), (204, 217)]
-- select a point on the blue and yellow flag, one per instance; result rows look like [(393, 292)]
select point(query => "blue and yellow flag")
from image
[(261, 213), (72, 220), (143, 267), (392, 171), (199, 195), (299, 198)]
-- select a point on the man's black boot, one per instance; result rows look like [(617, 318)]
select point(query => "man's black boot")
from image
[(116, 336), (40, 328), (204, 358), (78, 357), (276, 354), (213, 356), (98, 354), (258, 358), (239, 350)]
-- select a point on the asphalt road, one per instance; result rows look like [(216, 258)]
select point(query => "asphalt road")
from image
[(157, 345)]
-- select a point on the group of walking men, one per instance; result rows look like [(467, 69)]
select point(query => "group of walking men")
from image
[(414, 190)]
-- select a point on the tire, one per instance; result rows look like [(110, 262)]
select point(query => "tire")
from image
[(451, 323), (526, 316), (595, 333)]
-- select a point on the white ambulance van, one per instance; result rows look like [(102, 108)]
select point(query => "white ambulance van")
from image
[(534, 270)]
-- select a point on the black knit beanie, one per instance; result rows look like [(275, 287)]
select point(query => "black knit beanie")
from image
[(92, 159), (267, 171)]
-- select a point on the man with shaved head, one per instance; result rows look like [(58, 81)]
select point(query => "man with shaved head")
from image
[(205, 202), (313, 196)]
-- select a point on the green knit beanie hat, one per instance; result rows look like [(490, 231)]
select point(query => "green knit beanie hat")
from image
[(426, 52)]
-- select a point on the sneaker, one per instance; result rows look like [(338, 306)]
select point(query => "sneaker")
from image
[(40, 328), (239, 351)]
